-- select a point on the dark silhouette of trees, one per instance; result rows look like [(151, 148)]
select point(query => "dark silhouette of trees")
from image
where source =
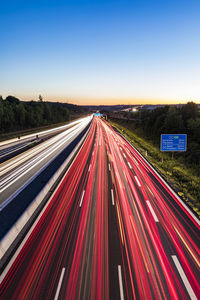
[(172, 119), (17, 115), (12, 99), (40, 98)]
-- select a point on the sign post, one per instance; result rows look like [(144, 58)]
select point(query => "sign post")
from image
[(173, 142)]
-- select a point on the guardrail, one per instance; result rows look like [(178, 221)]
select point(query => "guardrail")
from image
[(13, 238)]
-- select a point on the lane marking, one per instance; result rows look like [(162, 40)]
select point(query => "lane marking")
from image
[(82, 198), (163, 181), (188, 248), (137, 181), (129, 165), (112, 195), (109, 167), (184, 278), (120, 225), (124, 155), (89, 168), (152, 211), (120, 282), (59, 284), (150, 191), (36, 160)]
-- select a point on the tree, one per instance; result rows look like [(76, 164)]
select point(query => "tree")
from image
[(40, 98), (12, 99), (194, 128), (173, 121), (1, 113), (189, 111), (21, 115)]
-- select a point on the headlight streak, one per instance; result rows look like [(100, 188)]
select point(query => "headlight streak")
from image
[(158, 243), (36, 157)]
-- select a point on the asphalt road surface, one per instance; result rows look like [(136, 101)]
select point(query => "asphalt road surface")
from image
[(112, 230), (16, 172)]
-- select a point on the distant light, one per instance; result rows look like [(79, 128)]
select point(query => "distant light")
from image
[(134, 109)]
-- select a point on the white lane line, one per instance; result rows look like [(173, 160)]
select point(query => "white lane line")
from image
[(109, 167), (59, 284), (129, 165), (120, 148), (21, 171), (82, 198), (184, 278), (89, 168), (112, 195), (152, 211), (124, 155), (120, 282), (163, 181), (138, 183)]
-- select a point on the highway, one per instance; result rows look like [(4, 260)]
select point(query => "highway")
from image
[(16, 172), (14, 142), (12, 147), (112, 230)]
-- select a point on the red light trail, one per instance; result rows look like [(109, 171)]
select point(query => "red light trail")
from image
[(112, 230)]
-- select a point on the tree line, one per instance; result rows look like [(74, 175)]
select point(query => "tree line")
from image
[(18, 115), (171, 119)]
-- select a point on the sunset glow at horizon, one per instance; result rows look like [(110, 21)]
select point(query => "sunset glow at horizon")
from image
[(101, 52)]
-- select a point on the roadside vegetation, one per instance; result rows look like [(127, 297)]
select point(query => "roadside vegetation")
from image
[(182, 170), (16, 115)]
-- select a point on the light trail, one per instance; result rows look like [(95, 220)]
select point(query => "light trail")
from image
[(23, 168), (119, 231)]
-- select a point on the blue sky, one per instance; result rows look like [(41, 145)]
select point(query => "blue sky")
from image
[(101, 51)]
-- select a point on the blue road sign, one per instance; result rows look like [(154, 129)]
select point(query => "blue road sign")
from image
[(173, 142), (98, 115)]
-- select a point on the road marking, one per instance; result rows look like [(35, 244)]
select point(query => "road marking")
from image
[(89, 168), (112, 195), (120, 148), (82, 198), (187, 246), (59, 284), (109, 167), (150, 190), (163, 181), (124, 155), (120, 225), (184, 278), (120, 282), (137, 181), (129, 165), (152, 211)]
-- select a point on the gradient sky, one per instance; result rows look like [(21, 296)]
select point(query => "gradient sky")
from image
[(84, 52)]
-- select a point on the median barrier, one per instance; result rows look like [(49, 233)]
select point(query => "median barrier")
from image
[(13, 238)]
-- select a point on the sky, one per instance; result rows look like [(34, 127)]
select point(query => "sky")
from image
[(101, 52)]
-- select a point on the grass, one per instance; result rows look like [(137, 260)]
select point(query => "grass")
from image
[(181, 178)]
